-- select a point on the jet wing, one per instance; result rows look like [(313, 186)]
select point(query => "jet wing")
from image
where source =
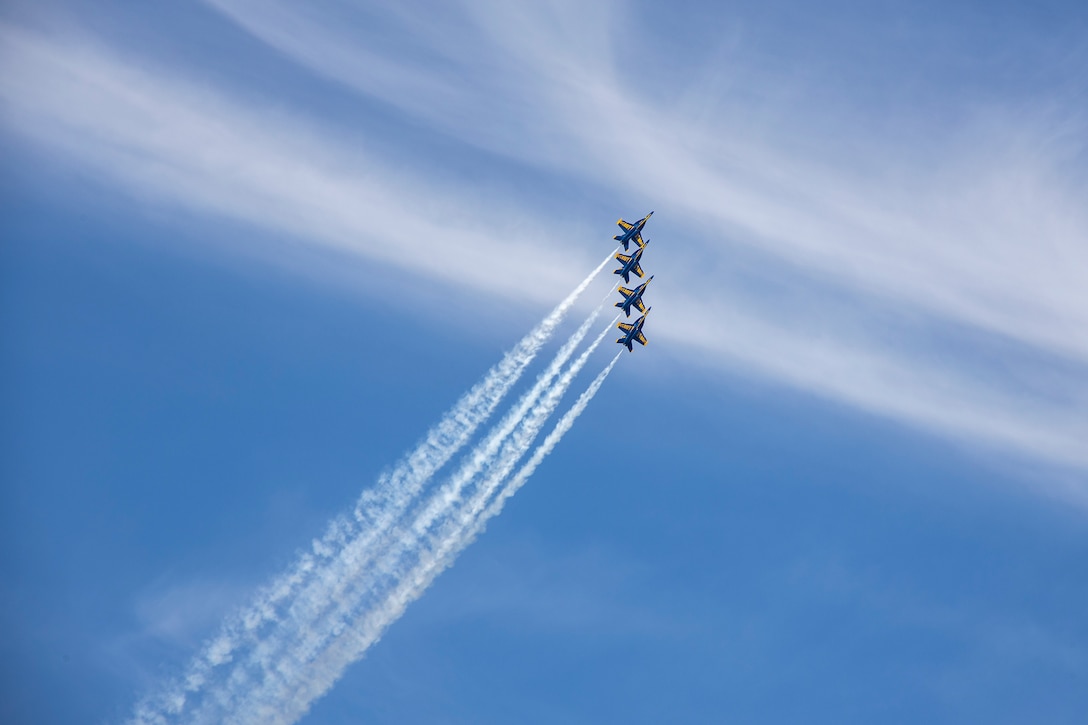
[(626, 327), (641, 306), (637, 269), (638, 239), (625, 226), (640, 338)]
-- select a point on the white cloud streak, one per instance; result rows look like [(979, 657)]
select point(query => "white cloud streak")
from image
[(950, 237), (980, 244), (167, 138)]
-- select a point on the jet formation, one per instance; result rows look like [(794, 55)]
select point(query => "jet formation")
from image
[(632, 264)]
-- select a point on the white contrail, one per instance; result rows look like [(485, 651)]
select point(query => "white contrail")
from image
[(374, 514), (343, 585), (519, 445), (550, 442), (313, 673)]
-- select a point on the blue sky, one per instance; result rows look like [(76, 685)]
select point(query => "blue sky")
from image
[(253, 251)]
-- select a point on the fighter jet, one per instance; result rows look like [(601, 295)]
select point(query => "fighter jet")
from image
[(633, 298), (631, 232), (629, 264), (633, 333)]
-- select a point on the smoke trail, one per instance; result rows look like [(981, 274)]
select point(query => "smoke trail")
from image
[(549, 444), (375, 512), (533, 425), (318, 612), (315, 672)]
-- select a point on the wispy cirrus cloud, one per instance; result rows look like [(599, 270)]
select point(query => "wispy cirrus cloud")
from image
[(163, 137), (938, 289), (981, 227)]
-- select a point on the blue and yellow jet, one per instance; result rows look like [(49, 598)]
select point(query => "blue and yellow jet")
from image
[(629, 264), (633, 298), (631, 232), (632, 333)]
